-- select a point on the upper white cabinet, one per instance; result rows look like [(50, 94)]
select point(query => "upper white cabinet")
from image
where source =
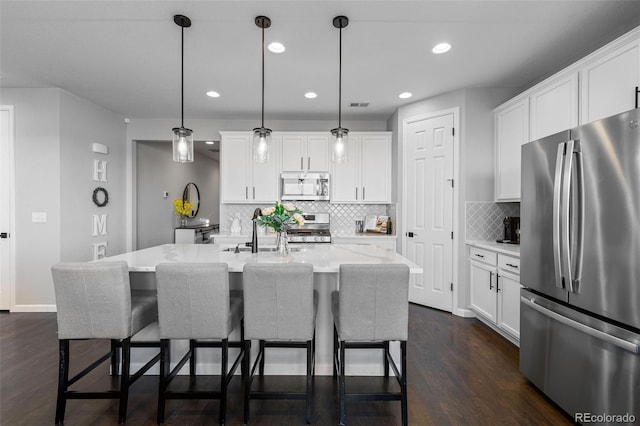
[(511, 132), (366, 176), (608, 82), (305, 152), (554, 107), (599, 85), (243, 180)]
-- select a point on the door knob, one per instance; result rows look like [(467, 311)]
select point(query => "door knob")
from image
[(4, 235), (411, 234)]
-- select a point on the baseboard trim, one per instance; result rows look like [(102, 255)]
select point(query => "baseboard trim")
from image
[(465, 313), (34, 308)]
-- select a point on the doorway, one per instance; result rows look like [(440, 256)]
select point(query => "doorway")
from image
[(429, 207), (7, 246)]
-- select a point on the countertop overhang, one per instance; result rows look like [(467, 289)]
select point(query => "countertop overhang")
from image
[(325, 258)]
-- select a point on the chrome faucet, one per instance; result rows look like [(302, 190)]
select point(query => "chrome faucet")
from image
[(254, 238)]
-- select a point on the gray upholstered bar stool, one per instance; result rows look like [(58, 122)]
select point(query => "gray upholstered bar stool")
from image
[(94, 301), (370, 310), (280, 311), (194, 303)]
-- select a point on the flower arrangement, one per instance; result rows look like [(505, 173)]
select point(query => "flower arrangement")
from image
[(281, 216), (182, 208)]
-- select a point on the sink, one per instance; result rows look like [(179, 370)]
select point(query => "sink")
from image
[(244, 249)]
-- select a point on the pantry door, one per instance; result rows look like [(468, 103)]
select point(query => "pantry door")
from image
[(428, 240), (6, 202)]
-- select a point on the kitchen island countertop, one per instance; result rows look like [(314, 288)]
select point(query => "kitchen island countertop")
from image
[(325, 258)]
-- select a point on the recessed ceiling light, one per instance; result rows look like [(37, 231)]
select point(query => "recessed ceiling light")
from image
[(276, 47), (310, 95), (441, 48), (209, 142), (213, 94), (405, 95)]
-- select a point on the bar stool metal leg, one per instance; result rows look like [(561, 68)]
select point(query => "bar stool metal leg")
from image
[(385, 361), (248, 377), (403, 381), (262, 351), (124, 380), (223, 380), (114, 357), (63, 379), (342, 384), (164, 372), (192, 359)]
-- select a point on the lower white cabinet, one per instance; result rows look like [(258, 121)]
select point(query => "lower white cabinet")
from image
[(495, 290)]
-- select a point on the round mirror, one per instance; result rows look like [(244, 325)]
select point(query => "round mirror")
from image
[(191, 194)]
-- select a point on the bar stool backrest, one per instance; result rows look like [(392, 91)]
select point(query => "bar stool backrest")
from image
[(93, 300), (278, 301), (374, 302), (193, 300)]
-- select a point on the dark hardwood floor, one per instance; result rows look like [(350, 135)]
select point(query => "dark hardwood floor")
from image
[(459, 372)]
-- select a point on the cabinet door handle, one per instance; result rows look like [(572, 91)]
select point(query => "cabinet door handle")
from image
[(246, 192), (363, 193), (512, 265), (497, 283), (301, 163), (637, 92), (308, 163), (254, 192), (356, 193), (490, 280)]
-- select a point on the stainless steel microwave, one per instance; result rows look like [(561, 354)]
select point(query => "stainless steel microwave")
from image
[(304, 186)]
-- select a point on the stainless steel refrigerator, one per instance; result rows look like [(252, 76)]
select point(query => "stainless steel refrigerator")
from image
[(580, 266)]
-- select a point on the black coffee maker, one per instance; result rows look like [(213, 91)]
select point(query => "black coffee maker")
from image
[(511, 230)]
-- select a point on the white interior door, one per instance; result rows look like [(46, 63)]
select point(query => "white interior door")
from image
[(6, 259), (429, 201)]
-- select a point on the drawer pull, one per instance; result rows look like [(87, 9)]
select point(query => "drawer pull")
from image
[(480, 255), (512, 265)]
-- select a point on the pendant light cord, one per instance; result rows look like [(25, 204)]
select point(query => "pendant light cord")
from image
[(262, 78), (340, 83), (182, 80)]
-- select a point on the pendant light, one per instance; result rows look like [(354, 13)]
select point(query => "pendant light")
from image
[(262, 135), (182, 137), (340, 134)]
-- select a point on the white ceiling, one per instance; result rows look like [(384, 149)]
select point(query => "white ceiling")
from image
[(125, 55)]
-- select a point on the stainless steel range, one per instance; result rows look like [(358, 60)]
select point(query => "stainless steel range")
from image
[(315, 229)]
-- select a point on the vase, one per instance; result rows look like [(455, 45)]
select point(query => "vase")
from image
[(183, 221), (282, 245)]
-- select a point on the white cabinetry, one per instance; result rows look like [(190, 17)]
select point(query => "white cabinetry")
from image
[(495, 290), (243, 180), (305, 152), (512, 131), (554, 107), (366, 176), (608, 82)]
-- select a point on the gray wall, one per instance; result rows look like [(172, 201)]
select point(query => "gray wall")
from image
[(156, 172), (83, 123), (475, 157), (53, 135)]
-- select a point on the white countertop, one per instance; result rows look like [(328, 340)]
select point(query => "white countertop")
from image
[(365, 235), (323, 257), (510, 249)]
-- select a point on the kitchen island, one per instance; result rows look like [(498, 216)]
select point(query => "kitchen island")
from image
[(326, 260)]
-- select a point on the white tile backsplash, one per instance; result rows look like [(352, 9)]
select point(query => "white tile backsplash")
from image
[(483, 220), (343, 216)]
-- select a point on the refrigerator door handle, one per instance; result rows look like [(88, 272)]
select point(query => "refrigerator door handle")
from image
[(557, 199), (627, 345), (565, 230), (579, 238)]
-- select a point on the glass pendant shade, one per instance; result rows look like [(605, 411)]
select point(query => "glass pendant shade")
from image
[(182, 145), (339, 149), (261, 144)]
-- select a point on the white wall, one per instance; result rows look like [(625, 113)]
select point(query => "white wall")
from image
[(156, 173), (51, 176)]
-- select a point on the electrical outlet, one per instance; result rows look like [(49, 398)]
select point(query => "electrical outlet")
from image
[(165, 194)]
